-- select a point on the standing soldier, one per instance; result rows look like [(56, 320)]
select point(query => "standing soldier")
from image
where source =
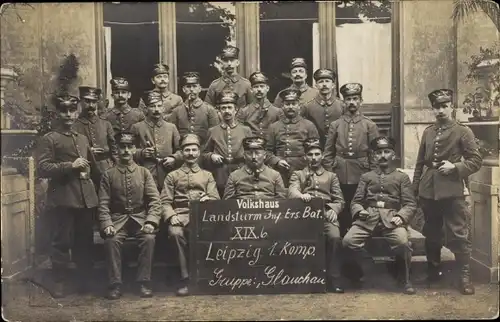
[(183, 185), (255, 180), (156, 140), (286, 137), (122, 116), (230, 80), (325, 108), (383, 204), (194, 116), (64, 157), (129, 205), (224, 148), (298, 74), (98, 131), (315, 182), (259, 115), (450, 155), (160, 78)]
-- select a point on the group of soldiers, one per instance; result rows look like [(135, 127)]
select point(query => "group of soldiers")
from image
[(136, 170)]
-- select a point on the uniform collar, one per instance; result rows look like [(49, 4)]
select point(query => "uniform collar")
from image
[(286, 120), (266, 104), (126, 110), (225, 126), (348, 118), (233, 78), (123, 168), (150, 123), (302, 88), (196, 103), (322, 102), (390, 170), (250, 171), (85, 119), (59, 129), (186, 169), (318, 172), (445, 125)]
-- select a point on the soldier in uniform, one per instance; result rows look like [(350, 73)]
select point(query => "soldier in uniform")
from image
[(298, 73), (383, 204), (98, 131), (160, 78), (285, 141), (122, 116), (325, 107), (450, 155), (129, 205), (187, 183), (259, 115), (315, 182), (65, 158), (230, 80), (194, 116), (224, 149), (157, 140), (255, 180)]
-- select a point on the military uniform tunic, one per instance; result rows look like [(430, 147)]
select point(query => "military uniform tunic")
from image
[(259, 119), (202, 117), (308, 93), (237, 84), (242, 184), (322, 113), (123, 120), (170, 102)]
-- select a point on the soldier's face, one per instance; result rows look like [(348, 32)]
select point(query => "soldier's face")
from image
[(155, 110), (161, 81), (383, 157), (191, 153), (227, 110), (260, 90), (230, 65), (291, 108), (443, 111), (68, 116), (353, 103), (89, 105), (254, 158), (325, 85), (126, 151), (121, 96), (191, 90), (299, 74), (314, 158)]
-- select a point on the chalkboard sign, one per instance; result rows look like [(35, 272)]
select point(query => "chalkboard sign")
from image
[(257, 247)]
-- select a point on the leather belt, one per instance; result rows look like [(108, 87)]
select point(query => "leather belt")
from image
[(102, 156), (127, 210), (352, 155), (384, 204), (182, 204)]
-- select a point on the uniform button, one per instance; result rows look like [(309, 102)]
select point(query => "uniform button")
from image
[(435, 154), (350, 148)]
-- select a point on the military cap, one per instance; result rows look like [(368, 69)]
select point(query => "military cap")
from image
[(189, 139), (230, 52), (324, 73), (298, 62), (290, 94), (383, 142), (258, 78), (124, 138), (254, 142), (151, 97), (191, 78), (441, 96), (88, 92), (312, 143), (119, 83), (350, 89), (65, 101), (227, 96), (159, 69)]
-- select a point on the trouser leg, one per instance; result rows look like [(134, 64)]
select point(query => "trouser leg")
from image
[(62, 225), (353, 244), (345, 217), (146, 254), (400, 245), (433, 231), (112, 247), (179, 235), (333, 245)]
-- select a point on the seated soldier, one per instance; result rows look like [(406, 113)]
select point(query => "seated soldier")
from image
[(129, 205), (383, 204), (315, 182), (254, 180), (187, 183)]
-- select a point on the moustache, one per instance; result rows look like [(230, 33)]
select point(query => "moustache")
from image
[(352, 106), (382, 160), (297, 77)]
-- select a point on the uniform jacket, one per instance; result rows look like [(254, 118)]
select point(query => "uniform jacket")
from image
[(259, 119), (204, 116), (322, 113), (347, 147), (319, 184), (378, 186), (308, 93), (56, 152), (242, 184), (170, 102), (123, 121), (453, 142), (237, 84), (129, 187), (182, 186), (162, 135)]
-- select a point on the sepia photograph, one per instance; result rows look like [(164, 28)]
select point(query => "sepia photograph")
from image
[(244, 161)]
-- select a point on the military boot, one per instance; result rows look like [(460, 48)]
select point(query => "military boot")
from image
[(464, 283), (434, 271), (405, 273)]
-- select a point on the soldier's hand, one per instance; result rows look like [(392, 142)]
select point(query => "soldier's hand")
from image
[(80, 163), (97, 150), (109, 231), (149, 152), (396, 220), (168, 162), (174, 220), (283, 164), (363, 215), (446, 167), (148, 228), (306, 197), (204, 198), (331, 215), (217, 158)]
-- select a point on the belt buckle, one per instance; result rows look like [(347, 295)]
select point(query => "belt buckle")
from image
[(350, 154), (84, 175), (129, 210), (380, 204)]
